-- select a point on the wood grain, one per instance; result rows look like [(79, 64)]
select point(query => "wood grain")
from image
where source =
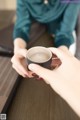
[(8, 79)]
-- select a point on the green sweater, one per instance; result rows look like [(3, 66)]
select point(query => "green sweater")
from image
[(60, 17)]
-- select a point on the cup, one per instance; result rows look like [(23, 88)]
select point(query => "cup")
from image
[(40, 55)]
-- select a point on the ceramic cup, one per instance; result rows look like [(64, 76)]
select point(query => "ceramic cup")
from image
[(39, 55)]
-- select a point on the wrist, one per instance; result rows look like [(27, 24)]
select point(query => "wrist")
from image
[(19, 44)]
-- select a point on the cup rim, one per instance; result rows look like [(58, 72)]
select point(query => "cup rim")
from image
[(41, 47)]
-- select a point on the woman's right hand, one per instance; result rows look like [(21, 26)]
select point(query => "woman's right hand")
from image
[(19, 63)]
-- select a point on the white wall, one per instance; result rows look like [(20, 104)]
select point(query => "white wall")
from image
[(7, 4)]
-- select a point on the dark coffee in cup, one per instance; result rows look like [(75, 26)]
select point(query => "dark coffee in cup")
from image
[(39, 55)]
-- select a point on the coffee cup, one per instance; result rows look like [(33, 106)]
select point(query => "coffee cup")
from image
[(39, 55)]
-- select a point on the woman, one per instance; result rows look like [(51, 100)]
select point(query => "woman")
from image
[(60, 19)]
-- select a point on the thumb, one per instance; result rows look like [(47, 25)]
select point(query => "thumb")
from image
[(42, 72)]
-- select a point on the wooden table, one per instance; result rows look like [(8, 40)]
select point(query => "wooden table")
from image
[(8, 82)]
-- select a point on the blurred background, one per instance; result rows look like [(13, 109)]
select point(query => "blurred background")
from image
[(7, 12), (7, 4)]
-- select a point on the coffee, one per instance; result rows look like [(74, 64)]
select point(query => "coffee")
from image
[(39, 57)]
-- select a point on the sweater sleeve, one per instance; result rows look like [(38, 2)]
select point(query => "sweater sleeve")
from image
[(64, 35), (23, 22)]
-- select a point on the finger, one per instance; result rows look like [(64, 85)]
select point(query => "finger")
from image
[(55, 63), (19, 71), (19, 65), (60, 54), (30, 74), (17, 68), (40, 71)]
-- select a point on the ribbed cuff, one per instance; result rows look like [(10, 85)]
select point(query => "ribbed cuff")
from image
[(62, 42), (20, 34)]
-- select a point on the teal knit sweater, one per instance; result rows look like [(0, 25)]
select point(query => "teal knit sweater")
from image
[(59, 17)]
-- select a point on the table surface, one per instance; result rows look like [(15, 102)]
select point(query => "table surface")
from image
[(7, 80)]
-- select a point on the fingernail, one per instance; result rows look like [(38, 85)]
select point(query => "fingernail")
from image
[(39, 78), (34, 75), (26, 75)]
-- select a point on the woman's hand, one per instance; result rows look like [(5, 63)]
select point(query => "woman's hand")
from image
[(19, 62), (65, 79)]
